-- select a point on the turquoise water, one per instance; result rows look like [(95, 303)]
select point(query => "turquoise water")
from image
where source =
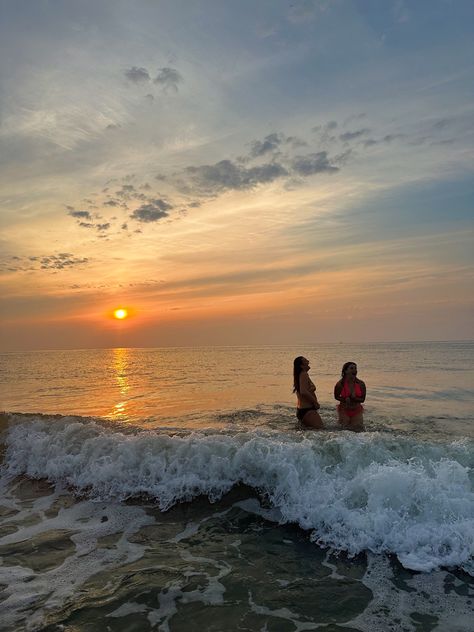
[(172, 489)]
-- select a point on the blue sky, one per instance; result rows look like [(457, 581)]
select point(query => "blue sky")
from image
[(235, 172)]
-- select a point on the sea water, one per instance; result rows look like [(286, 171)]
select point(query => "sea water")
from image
[(173, 489)]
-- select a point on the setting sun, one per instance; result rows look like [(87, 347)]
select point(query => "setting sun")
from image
[(120, 313)]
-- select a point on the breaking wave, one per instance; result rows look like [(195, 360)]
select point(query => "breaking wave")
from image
[(354, 493)]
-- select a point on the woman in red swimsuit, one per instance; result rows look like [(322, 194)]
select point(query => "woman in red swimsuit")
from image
[(350, 392)]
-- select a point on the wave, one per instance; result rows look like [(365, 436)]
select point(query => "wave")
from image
[(373, 491)]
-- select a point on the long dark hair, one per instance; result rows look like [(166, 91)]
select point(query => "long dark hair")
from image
[(345, 366), (296, 373)]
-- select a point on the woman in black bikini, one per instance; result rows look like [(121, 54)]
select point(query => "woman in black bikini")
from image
[(308, 405)]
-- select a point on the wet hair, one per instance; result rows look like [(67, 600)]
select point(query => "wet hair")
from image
[(296, 373), (345, 366)]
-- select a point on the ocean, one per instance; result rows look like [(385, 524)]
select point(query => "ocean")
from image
[(173, 490)]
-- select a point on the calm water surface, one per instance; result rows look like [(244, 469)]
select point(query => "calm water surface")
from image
[(406, 382)]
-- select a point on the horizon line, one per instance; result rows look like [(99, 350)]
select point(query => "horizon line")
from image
[(236, 346)]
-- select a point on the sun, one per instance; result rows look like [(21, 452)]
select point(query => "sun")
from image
[(120, 313)]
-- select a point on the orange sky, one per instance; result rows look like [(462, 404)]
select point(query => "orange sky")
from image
[(235, 178)]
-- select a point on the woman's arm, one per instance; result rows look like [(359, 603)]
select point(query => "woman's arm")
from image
[(361, 399), (337, 392), (306, 391)]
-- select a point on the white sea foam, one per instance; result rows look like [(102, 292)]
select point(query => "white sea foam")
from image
[(353, 492), (29, 596), (393, 609), (283, 613)]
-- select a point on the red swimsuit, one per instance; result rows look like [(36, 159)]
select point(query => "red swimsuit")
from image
[(346, 392)]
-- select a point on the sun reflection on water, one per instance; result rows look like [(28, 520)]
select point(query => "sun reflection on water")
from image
[(120, 365)]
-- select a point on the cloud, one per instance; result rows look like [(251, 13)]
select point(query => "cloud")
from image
[(442, 123), (326, 132), (294, 141), (270, 143), (60, 261), (137, 75), (126, 192), (354, 117), (304, 11), (313, 163), (348, 136), (153, 211), (341, 159), (102, 227), (331, 125), (168, 79), (388, 138), (80, 214), (236, 175), (226, 175)]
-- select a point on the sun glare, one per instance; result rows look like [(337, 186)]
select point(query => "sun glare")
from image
[(121, 313)]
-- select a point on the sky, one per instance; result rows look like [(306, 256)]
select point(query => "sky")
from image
[(232, 173)]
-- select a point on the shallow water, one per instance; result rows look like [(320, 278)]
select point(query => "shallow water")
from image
[(202, 387), (173, 490)]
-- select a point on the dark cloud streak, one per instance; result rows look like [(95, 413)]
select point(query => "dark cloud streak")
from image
[(226, 175), (153, 211), (312, 164), (269, 144), (80, 214), (348, 136), (137, 75), (168, 79)]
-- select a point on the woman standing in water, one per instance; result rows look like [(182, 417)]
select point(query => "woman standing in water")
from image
[(308, 405), (350, 392)]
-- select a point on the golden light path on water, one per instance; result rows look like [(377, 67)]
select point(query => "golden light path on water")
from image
[(120, 367)]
